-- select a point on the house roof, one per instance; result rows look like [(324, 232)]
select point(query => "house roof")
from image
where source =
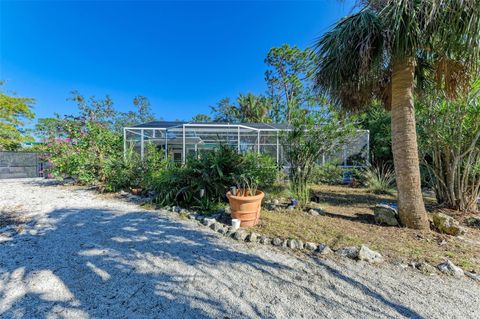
[(173, 124)]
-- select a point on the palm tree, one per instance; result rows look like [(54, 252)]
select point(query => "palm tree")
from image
[(253, 108), (389, 50)]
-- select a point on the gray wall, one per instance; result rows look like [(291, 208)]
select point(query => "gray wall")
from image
[(19, 165)]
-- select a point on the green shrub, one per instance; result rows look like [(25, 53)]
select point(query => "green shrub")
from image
[(85, 154), (380, 179), (330, 174), (204, 181), (260, 167), (133, 172)]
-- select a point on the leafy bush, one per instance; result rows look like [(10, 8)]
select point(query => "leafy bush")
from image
[(449, 133), (202, 182), (260, 167), (133, 172), (307, 140), (330, 174), (380, 179), (84, 154)]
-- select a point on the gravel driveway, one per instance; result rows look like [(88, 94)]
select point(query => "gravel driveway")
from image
[(82, 256)]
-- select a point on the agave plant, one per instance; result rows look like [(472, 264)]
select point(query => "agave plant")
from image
[(380, 179)]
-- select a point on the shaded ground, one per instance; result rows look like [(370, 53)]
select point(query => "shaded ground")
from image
[(83, 256), (349, 221)]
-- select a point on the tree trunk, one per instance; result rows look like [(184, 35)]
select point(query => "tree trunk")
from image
[(404, 146)]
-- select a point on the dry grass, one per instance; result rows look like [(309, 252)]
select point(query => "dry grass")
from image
[(349, 221)]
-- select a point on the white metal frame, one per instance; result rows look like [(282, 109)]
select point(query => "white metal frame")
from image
[(184, 127)]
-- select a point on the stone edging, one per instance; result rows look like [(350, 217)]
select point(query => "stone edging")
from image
[(362, 252)]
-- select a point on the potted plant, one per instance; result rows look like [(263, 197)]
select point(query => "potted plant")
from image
[(136, 190), (245, 201)]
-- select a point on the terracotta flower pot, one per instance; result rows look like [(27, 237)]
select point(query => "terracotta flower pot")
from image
[(246, 208), (136, 191)]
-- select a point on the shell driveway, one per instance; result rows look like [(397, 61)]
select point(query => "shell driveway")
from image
[(86, 256)]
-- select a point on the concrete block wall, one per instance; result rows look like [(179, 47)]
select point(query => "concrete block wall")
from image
[(18, 165)]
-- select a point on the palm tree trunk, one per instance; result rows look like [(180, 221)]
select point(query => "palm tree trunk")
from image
[(404, 146)]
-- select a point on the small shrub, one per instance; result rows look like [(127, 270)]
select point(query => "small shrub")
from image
[(330, 174), (260, 167), (307, 140), (174, 186), (130, 171), (204, 181), (380, 179)]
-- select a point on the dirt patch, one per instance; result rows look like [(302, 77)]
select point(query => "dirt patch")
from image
[(12, 217), (349, 221)]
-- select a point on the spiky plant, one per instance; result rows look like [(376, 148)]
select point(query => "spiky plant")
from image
[(388, 50), (380, 179)]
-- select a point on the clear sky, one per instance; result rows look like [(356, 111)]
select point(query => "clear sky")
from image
[(184, 56)]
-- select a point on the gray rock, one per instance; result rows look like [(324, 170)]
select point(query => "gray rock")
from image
[(313, 212), (447, 224), (473, 222), (425, 268), (316, 212), (216, 216), (323, 249), (123, 193), (253, 237), (276, 202), (473, 276), (449, 268), (277, 241), (265, 240), (208, 221), (292, 244), (300, 244), (183, 211), (192, 216), (230, 231), (349, 252), (240, 235), (222, 230), (386, 215), (368, 255), (270, 206), (290, 207), (216, 226), (310, 246)]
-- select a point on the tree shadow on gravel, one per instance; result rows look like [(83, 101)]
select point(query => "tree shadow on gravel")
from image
[(100, 263), (97, 263), (399, 308)]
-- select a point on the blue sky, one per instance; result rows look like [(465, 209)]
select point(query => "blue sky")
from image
[(184, 56)]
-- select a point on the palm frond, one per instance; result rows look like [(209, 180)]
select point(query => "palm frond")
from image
[(354, 57), (351, 60)]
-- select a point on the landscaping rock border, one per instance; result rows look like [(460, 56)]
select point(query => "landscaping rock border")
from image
[(359, 253)]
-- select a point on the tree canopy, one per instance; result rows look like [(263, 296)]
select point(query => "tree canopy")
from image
[(14, 112), (440, 36), (289, 88)]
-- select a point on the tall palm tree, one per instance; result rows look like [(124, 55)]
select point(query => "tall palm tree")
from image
[(253, 108), (388, 50)]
